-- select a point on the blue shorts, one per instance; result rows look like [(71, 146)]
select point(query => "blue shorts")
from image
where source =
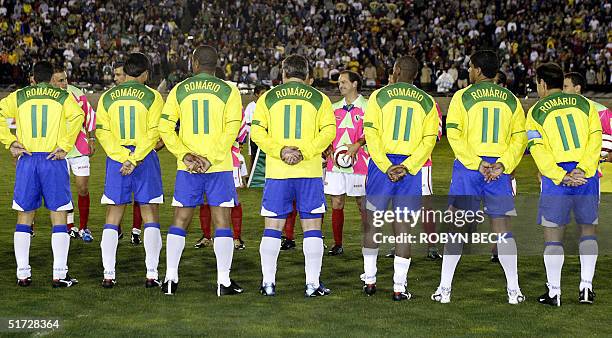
[(37, 178), (557, 201), (279, 194), (468, 189), (144, 182), (189, 189), (404, 194)]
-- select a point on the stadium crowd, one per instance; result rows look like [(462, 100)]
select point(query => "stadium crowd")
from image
[(89, 36)]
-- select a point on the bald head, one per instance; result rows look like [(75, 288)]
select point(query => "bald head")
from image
[(204, 59), (405, 69)]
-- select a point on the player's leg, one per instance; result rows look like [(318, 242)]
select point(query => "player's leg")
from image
[(109, 242), (586, 211), (237, 227), (21, 242), (175, 243), (73, 231), (205, 226), (60, 244), (337, 223), (288, 241), (152, 243), (136, 224), (429, 224)]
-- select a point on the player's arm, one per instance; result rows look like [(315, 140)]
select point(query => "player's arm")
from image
[(167, 125), (431, 125), (8, 109), (518, 141), (74, 122), (372, 128), (109, 142), (232, 122), (326, 124), (592, 152), (147, 144), (540, 150), (456, 131), (259, 131)]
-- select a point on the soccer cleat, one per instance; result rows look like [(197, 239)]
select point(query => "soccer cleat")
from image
[(369, 289), (391, 253), (169, 287), (494, 258), (548, 300), (239, 244), (120, 236), (65, 282), (135, 238), (108, 283), (287, 244), (203, 242), (86, 235), (586, 296), (311, 291), (442, 295), (336, 250), (232, 289), (32, 234), (432, 254), (74, 233), (24, 282), (268, 289), (515, 297), (400, 296), (152, 283)]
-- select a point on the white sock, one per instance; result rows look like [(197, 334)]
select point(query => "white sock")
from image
[(60, 244), (70, 217), (108, 244), (588, 259), (370, 257), (553, 261), (313, 256), (400, 273), (506, 251), (175, 243), (21, 242), (224, 251), (268, 251), (450, 259), (152, 244)]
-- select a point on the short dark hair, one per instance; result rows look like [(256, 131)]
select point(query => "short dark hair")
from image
[(409, 67), (206, 56), (353, 77), (219, 73), (577, 79), (551, 74), (487, 61), (136, 64), (58, 67), (502, 79), (260, 88), (118, 64), (295, 66), (42, 71)]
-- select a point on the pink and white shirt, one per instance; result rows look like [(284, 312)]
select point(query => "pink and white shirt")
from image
[(243, 132), (81, 146), (349, 129), (428, 163)]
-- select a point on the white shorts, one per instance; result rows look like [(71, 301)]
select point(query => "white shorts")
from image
[(426, 186), (238, 173), (344, 183), (79, 165)]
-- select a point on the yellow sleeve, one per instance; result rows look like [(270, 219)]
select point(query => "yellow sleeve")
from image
[(327, 131), (167, 127), (540, 150), (106, 138), (74, 115), (590, 159), (232, 121), (259, 130), (456, 131), (415, 162), (147, 145), (8, 110), (372, 127), (518, 142)]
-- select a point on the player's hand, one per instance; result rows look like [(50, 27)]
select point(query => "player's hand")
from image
[(92, 146), (609, 158), (329, 152), (194, 163), (484, 168), (396, 172), (127, 168), (159, 145), (352, 150), (57, 154), (291, 155), (572, 181), (496, 170), (203, 164), (17, 149)]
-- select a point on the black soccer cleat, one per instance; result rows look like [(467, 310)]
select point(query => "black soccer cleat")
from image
[(232, 289), (401, 296), (268, 289), (494, 258), (135, 238), (336, 250), (310, 291), (169, 287), (65, 282), (152, 283), (120, 236), (108, 283), (547, 300), (24, 282), (369, 289), (287, 244), (432, 254), (74, 233), (586, 296)]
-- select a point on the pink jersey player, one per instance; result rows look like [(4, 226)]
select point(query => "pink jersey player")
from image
[(349, 121)]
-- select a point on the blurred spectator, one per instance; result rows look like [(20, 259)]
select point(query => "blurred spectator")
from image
[(444, 82)]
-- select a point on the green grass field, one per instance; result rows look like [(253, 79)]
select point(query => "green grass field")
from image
[(478, 305)]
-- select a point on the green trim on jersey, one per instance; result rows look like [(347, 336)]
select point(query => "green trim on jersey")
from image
[(203, 84), (488, 91), (404, 91), (41, 91), (129, 90), (294, 91), (559, 101)]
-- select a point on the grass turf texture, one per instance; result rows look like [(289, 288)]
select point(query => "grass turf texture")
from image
[(478, 305)]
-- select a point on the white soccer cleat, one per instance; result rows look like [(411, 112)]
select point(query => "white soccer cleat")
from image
[(442, 295), (515, 297)]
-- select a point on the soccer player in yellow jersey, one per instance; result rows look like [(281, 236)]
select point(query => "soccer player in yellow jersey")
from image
[(564, 133), (293, 124), (210, 113), (48, 121), (486, 129), (401, 128), (128, 115)]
